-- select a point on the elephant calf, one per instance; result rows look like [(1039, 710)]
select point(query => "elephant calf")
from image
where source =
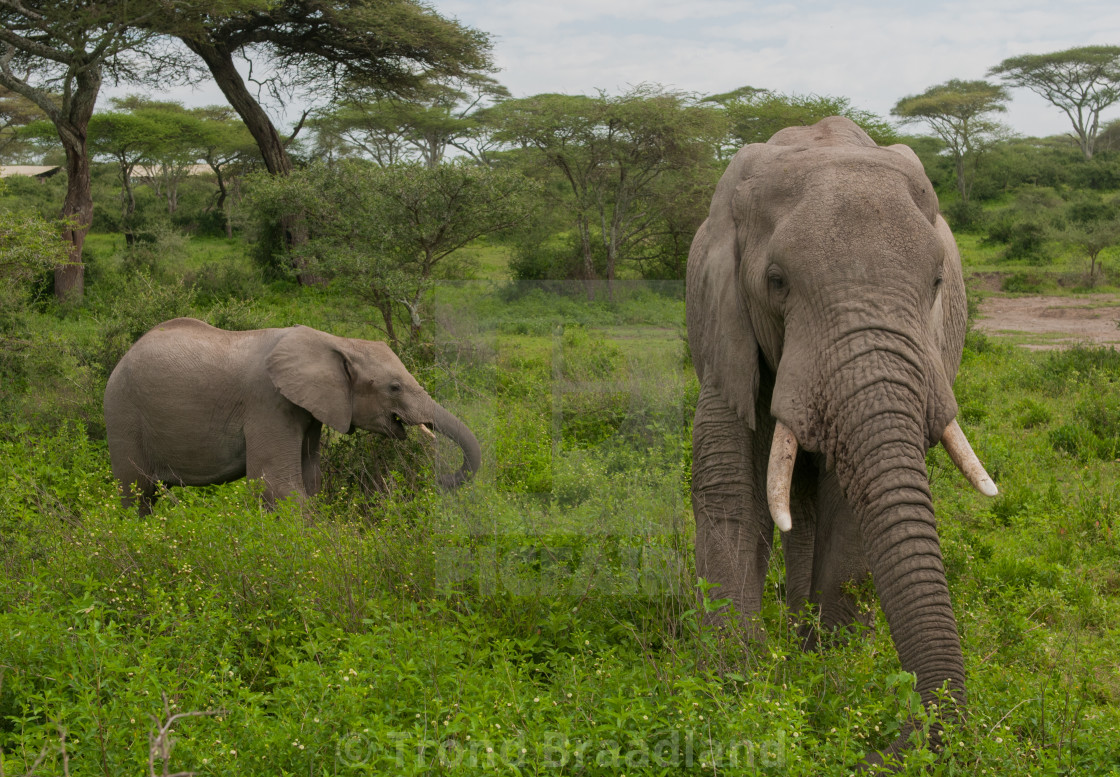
[(190, 404)]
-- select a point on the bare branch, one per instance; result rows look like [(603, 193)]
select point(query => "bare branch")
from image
[(161, 743), (298, 127)]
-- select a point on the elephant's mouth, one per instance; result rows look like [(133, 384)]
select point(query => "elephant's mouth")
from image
[(397, 427)]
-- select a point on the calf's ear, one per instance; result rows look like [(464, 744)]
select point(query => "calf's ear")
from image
[(309, 369)]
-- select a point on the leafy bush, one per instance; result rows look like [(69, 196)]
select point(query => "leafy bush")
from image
[(1032, 413), (964, 216), (1022, 283), (132, 307), (1062, 367)]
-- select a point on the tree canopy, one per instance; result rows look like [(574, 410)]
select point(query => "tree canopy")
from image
[(385, 231), (56, 55), (612, 153), (16, 111), (754, 115), (959, 113), (435, 117), (1080, 81), (389, 45)]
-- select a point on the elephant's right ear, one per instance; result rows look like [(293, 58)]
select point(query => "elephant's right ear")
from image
[(310, 371), (724, 349)]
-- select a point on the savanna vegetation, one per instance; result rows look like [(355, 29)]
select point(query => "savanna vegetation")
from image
[(525, 257)]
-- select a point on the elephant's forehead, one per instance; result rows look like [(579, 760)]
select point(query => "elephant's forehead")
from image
[(835, 177), (377, 358)]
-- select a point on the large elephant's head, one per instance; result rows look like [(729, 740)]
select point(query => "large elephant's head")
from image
[(825, 271), (352, 384)]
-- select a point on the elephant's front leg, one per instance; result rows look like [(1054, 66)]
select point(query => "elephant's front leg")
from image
[(839, 567), (734, 532), (274, 455), (799, 544), (309, 458)]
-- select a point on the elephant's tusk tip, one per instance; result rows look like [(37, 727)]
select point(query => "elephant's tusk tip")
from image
[(427, 431), (987, 487), (783, 520)]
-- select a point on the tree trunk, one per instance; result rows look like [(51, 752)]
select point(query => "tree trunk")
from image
[(962, 184), (220, 63), (77, 209), (276, 160), (72, 124), (128, 204), (223, 198)]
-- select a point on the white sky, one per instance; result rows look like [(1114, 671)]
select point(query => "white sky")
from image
[(873, 52), (870, 51)]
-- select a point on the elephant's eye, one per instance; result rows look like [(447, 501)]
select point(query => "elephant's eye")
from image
[(937, 284), (776, 282), (395, 387)]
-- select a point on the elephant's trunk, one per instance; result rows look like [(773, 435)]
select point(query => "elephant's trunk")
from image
[(455, 430), (879, 442)]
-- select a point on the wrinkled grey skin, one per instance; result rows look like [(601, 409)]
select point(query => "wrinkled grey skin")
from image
[(192, 405), (824, 290)]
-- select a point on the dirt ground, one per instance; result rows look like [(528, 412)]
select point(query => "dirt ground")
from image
[(1052, 322)]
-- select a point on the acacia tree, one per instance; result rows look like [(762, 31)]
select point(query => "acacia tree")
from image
[(1080, 81), (385, 232), (391, 45), (128, 139), (372, 129), (320, 46), (229, 149), (1092, 226), (56, 55), (390, 129), (958, 112), (611, 153)]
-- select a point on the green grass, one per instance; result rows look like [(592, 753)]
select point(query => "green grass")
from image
[(543, 619), (1061, 271)]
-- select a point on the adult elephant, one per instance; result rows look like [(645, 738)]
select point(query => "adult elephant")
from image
[(826, 313), (192, 405)]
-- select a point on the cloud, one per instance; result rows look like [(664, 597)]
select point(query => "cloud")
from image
[(873, 52)]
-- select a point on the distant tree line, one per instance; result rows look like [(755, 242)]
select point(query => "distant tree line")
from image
[(619, 182)]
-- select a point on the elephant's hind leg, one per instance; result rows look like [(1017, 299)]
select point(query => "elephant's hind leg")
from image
[(734, 533), (275, 457), (138, 488)]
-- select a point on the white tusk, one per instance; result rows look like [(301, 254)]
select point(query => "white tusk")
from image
[(427, 431), (779, 475), (956, 445)]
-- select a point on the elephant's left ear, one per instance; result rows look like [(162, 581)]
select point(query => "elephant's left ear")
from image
[(310, 371)]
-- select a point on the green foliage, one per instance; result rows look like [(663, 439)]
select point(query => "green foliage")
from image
[(552, 599), (754, 115), (1026, 226), (964, 215), (1073, 364), (1032, 413), (386, 234), (438, 115), (1093, 227), (959, 113), (1022, 283), (137, 305), (29, 247), (622, 166)]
